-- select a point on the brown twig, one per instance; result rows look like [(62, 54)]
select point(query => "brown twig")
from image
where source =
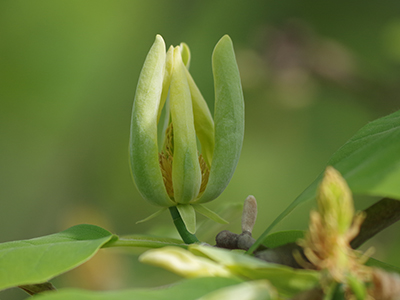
[(380, 215), (33, 289)]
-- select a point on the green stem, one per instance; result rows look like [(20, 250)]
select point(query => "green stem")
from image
[(186, 236)]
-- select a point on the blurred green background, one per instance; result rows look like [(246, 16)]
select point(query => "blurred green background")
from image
[(313, 73)]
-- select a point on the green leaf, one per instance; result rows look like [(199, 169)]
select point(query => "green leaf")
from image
[(209, 214), (40, 259), (286, 280), (281, 238), (250, 290), (372, 262), (369, 161), (185, 290), (146, 241), (188, 216), (228, 119)]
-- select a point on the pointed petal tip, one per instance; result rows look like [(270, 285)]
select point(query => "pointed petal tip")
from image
[(159, 37), (225, 39), (159, 40)]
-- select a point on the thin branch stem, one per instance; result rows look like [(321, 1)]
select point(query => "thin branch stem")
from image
[(186, 236), (380, 215), (33, 289)]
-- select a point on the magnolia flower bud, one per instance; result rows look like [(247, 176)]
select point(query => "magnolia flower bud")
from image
[(173, 171)]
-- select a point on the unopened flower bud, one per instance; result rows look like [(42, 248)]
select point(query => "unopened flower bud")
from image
[(335, 203)]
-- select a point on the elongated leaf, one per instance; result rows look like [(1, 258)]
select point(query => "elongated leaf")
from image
[(250, 290), (286, 280), (145, 241), (372, 262), (186, 290), (40, 259), (281, 238), (369, 161)]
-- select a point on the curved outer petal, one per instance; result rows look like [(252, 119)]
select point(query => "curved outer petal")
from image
[(186, 174), (143, 141), (203, 121), (228, 119)]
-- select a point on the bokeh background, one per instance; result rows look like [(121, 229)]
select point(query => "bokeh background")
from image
[(313, 73)]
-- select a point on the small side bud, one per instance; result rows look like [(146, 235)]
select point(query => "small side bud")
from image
[(249, 215)]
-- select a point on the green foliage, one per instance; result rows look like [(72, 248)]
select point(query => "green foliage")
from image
[(286, 280), (384, 266), (281, 238), (186, 290), (40, 259), (369, 161), (141, 240)]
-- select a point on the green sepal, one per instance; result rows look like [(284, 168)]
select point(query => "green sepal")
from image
[(152, 216), (143, 140), (186, 174), (188, 216), (228, 119), (209, 214)]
